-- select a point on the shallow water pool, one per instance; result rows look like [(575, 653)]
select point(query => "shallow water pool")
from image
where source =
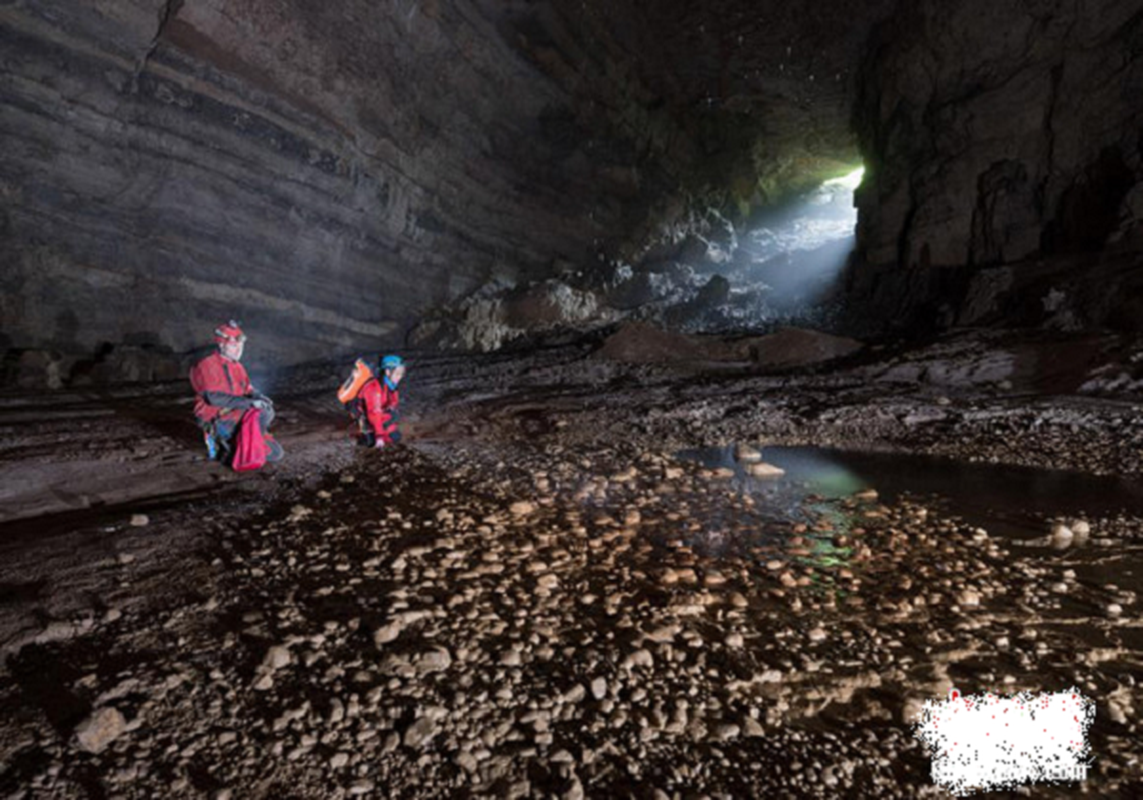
[(1006, 501)]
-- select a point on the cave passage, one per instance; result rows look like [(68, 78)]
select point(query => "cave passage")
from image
[(768, 376)]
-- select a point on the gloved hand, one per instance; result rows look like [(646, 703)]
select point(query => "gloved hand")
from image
[(259, 396), (379, 444), (259, 404)]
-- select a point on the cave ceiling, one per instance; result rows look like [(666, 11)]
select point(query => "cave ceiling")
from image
[(331, 172)]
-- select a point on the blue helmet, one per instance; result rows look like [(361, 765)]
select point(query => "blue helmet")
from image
[(391, 362)]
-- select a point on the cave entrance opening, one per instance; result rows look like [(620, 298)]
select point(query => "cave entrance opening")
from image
[(793, 254), (780, 264)]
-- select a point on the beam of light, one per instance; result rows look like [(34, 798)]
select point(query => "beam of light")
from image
[(782, 262), (850, 181), (798, 252)]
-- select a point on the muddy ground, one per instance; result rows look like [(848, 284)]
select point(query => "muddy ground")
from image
[(536, 596)]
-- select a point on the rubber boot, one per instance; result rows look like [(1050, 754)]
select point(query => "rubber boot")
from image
[(275, 450), (211, 446)]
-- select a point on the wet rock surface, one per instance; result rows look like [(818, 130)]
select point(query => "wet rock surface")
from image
[(538, 596)]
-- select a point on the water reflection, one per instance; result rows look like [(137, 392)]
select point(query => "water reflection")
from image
[(1007, 501), (806, 515)]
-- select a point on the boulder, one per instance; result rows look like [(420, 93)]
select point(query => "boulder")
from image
[(34, 369), (642, 343), (100, 729)]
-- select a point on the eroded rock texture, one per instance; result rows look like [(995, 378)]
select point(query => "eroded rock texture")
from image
[(327, 172), (330, 173), (322, 172), (997, 134)]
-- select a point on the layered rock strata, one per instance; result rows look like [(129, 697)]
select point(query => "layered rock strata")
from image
[(324, 174)]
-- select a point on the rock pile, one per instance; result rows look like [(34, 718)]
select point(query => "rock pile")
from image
[(562, 623)]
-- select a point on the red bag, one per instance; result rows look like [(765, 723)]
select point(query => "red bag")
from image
[(250, 452)]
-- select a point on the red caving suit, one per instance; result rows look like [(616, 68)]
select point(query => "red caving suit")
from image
[(380, 404), (217, 374)]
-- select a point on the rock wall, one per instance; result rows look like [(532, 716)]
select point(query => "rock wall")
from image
[(994, 134), (328, 173), (321, 172)]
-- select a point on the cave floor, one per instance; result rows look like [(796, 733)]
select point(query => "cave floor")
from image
[(535, 596)]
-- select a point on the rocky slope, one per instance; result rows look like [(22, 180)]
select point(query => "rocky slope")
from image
[(539, 596)]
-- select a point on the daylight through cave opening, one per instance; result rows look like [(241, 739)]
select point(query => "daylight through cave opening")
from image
[(783, 262)]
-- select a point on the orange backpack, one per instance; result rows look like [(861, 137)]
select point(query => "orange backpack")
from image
[(362, 373)]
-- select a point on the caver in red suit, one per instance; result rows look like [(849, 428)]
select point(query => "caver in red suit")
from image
[(377, 402), (223, 393), (381, 411)]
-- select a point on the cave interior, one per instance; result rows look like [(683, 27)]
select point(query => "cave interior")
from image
[(772, 371)]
